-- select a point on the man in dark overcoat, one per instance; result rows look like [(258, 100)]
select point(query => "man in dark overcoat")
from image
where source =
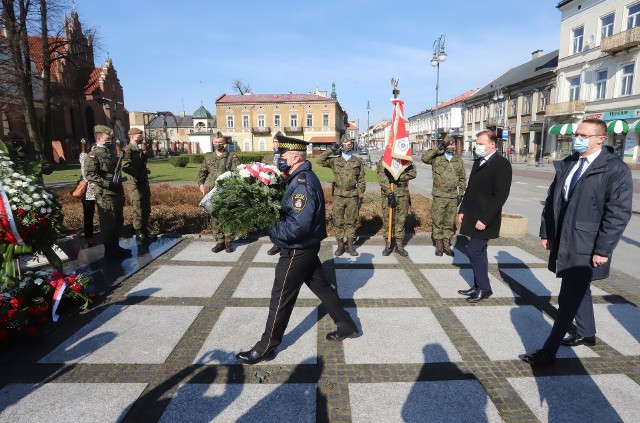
[(586, 211), (480, 212)]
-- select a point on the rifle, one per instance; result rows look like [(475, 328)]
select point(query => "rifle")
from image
[(117, 173)]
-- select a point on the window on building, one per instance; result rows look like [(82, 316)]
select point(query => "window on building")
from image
[(262, 145), (309, 120), (229, 121), (577, 35), (544, 99), (261, 121), (293, 120), (600, 85), (606, 26), (325, 120), (527, 104), (574, 89), (276, 121), (247, 145), (245, 121), (633, 16), (352, 135), (513, 104), (626, 79)]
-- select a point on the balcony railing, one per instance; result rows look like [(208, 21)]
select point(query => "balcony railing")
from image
[(566, 108), (261, 130), (293, 130), (622, 41)]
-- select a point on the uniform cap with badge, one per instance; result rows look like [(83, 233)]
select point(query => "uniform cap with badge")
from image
[(102, 129), (290, 144)]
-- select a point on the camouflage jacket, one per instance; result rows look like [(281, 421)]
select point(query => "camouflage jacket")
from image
[(348, 174), (100, 165), (134, 164), (214, 166), (401, 186), (449, 177)]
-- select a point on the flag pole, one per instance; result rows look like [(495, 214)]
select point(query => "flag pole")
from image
[(396, 91)]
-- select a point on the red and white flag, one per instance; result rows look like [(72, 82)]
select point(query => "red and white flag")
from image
[(398, 155)]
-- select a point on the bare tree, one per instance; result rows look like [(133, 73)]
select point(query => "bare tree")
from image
[(241, 88)]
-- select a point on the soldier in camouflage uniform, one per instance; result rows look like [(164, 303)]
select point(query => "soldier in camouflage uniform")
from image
[(449, 182), (214, 165), (100, 166), (399, 201), (348, 192), (134, 164)]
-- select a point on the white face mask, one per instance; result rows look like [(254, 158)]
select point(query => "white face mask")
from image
[(480, 151)]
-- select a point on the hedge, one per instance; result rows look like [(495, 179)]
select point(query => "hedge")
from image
[(179, 161)]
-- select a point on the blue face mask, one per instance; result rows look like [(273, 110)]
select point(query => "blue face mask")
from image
[(448, 156), (580, 144), (480, 151), (282, 165)]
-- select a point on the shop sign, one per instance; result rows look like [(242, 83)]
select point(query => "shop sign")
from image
[(629, 145), (594, 116), (621, 114)]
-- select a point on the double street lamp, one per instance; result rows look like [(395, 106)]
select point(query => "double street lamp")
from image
[(438, 56)]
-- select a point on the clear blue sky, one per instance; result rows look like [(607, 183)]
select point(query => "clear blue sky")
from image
[(167, 51)]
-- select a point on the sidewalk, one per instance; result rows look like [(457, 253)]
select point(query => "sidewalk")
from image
[(161, 346)]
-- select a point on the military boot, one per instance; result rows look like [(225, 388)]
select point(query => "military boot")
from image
[(446, 246), (388, 248), (228, 246), (141, 236), (352, 251), (439, 247), (400, 248), (340, 250), (218, 247)]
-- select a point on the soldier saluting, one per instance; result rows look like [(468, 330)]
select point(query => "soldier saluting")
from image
[(102, 169), (348, 191)]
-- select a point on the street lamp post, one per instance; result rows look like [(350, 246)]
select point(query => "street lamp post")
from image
[(368, 133), (438, 56), (543, 135)]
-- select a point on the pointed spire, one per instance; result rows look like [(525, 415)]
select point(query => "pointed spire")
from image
[(333, 91)]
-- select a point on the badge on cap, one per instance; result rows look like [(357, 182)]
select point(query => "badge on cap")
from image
[(299, 202)]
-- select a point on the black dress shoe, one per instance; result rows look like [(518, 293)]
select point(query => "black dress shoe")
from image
[(252, 356), (273, 250), (574, 341), (335, 336), (540, 358), (469, 291), (479, 295), (218, 247)]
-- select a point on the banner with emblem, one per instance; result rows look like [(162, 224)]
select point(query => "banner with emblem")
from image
[(398, 155)]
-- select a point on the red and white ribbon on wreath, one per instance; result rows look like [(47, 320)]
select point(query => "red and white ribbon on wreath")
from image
[(260, 172), (8, 221), (60, 285)]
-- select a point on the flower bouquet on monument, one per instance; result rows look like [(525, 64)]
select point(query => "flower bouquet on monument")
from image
[(246, 199), (30, 218)]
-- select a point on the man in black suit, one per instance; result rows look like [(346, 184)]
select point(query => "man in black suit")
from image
[(479, 216), (587, 209)]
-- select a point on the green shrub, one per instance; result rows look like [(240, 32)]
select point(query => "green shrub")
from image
[(250, 156), (195, 158), (179, 161)]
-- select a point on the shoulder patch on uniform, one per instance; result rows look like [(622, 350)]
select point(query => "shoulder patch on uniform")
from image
[(302, 180), (299, 201)]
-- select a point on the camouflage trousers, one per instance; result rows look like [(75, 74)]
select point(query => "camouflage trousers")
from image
[(218, 234), (400, 212), (110, 213), (345, 215), (140, 197), (443, 213)]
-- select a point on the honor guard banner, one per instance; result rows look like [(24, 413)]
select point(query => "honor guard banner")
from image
[(398, 155)]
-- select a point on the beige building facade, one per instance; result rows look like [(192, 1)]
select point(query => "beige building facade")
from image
[(252, 120)]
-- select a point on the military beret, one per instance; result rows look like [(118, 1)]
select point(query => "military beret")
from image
[(134, 131), (291, 144), (102, 129), (218, 134), (449, 139)]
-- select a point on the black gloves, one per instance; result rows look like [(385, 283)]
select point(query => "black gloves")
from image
[(115, 187), (392, 199), (335, 147), (442, 145)]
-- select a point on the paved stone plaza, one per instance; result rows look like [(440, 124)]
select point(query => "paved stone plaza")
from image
[(161, 346)]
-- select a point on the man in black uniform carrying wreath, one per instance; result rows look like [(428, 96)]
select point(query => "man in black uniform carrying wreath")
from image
[(298, 233)]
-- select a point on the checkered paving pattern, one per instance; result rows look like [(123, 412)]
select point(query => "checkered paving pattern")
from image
[(161, 347)]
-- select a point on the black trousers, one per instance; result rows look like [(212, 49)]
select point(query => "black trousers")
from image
[(575, 292), (477, 252), (294, 268), (89, 210)]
